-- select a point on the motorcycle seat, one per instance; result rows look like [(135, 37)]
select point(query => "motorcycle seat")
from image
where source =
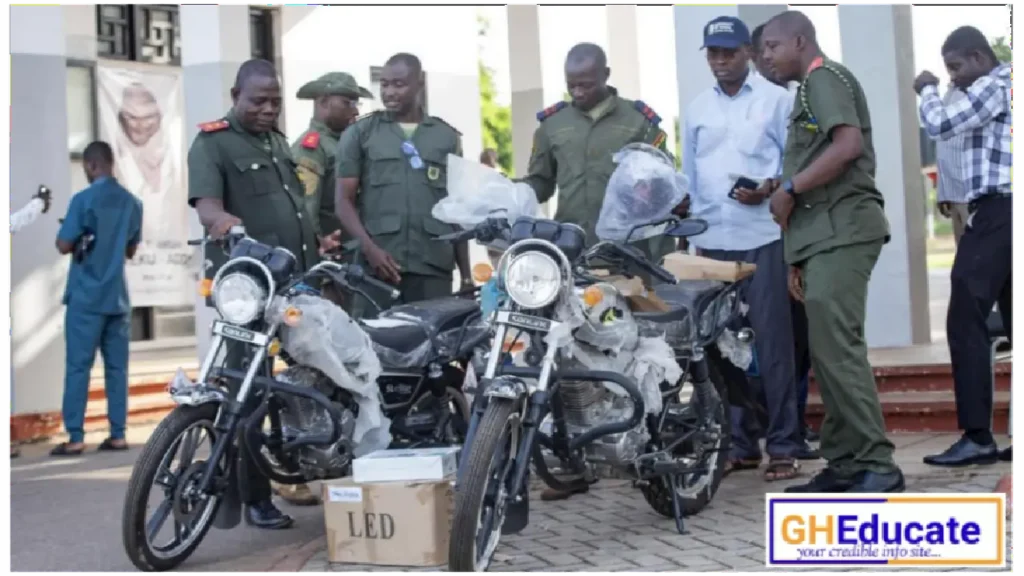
[(684, 299), (441, 314), (404, 328)]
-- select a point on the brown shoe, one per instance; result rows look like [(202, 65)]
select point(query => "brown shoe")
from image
[(296, 494), (551, 495)]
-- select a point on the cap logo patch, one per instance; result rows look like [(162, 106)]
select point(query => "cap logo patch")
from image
[(720, 28)]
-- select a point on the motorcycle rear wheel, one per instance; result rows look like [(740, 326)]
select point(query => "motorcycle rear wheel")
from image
[(695, 499), (489, 463), (157, 452)]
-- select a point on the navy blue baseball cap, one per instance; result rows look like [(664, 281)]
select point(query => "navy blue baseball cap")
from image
[(726, 32)]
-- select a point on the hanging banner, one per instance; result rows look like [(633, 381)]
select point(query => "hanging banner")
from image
[(141, 115)]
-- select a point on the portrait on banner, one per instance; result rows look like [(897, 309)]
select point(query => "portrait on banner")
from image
[(141, 114)]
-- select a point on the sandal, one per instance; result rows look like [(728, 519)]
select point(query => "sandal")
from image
[(781, 469), (109, 446), (736, 464), (63, 450)]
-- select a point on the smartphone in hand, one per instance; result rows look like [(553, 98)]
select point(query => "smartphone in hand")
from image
[(743, 182)]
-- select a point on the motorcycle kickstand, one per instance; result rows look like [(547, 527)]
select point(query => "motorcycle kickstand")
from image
[(675, 484)]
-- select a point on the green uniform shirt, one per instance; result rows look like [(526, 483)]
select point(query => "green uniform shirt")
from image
[(572, 150), (395, 199), (850, 209), (314, 152), (256, 179)]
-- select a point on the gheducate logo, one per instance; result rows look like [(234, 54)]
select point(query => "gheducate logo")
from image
[(949, 530)]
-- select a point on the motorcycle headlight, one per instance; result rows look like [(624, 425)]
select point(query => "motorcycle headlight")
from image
[(239, 298), (533, 279)]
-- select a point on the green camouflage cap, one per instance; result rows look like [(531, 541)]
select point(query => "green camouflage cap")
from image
[(333, 83)]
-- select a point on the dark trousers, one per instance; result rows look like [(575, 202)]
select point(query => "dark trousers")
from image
[(253, 485), (768, 297), (802, 350), (982, 275), (84, 333)]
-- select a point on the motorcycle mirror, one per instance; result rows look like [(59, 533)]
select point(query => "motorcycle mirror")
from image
[(651, 229), (688, 227)]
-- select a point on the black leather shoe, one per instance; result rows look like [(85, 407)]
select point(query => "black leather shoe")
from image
[(265, 515), (964, 453), (1006, 455), (806, 453), (825, 481), (878, 483)]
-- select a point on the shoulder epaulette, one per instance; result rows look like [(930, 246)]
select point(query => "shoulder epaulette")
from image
[(311, 141), (550, 111), (647, 112), (819, 63), (442, 121), (214, 126)]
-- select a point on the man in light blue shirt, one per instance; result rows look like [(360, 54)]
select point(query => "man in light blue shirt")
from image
[(735, 131)]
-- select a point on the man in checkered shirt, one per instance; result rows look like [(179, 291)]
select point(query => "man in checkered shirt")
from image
[(982, 270)]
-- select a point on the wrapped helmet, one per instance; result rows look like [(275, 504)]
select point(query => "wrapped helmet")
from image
[(644, 188)]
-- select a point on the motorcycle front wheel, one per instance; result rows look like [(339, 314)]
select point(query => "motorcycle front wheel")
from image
[(182, 432), (482, 497)]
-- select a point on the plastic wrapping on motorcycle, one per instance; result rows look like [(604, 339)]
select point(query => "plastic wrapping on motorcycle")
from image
[(606, 337), (327, 339), (477, 192), (644, 188)]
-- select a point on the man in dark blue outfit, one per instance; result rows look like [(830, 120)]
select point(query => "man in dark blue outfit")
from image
[(101, 230)]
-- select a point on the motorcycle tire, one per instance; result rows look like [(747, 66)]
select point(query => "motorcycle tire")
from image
[(500, 416), (133, 520), (659, 496)]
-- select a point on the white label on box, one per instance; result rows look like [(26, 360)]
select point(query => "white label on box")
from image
[(345, 494)]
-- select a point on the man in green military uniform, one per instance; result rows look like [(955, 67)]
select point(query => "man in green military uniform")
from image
[(834, 227), (240, 171), (392, 169), (335, 97), (574, 144)]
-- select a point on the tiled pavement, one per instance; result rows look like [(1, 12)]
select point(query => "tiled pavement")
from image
[(613, 529)]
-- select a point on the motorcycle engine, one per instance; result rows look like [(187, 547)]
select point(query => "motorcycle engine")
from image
[(588, 405), (303, 416)]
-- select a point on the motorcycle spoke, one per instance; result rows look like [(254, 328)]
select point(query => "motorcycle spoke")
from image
[(159, 517)]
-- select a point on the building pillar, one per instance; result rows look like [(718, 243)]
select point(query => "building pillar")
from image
[(692, 72), (39, 155), (624, 50), (883, 62), (526, 83), (215, 42)]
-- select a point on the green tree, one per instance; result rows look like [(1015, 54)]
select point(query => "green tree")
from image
[(495, 119), (1003, 52)]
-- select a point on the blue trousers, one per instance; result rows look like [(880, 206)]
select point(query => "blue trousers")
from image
[(84, 333)]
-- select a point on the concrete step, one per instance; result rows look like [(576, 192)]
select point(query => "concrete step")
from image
[(921, 411), (925, 378)]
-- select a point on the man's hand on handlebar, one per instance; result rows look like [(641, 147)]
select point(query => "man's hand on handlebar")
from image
[(330, 242), (224, 223), (384, 265)]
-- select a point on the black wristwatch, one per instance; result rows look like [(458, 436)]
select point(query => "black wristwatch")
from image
[(787, 186)]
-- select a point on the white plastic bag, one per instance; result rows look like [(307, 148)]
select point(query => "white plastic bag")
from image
[(644, 188), (327, 339), (477, 192)]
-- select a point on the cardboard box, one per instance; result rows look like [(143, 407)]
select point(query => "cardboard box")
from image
[(689, 267), (408, 465), (388, 523), (640, 299)]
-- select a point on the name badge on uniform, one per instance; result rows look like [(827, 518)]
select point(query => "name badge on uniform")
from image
[(433, 172)]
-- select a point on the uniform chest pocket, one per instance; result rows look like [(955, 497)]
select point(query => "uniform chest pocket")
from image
[(435, 169), (385, 167), (256, 176)]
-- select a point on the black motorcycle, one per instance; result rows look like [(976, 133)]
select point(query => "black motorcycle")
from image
[(299, 425), (554, 408)]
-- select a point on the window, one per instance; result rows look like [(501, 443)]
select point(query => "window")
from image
[(81, 106), (147, 33), (378, 104), (261, 33)]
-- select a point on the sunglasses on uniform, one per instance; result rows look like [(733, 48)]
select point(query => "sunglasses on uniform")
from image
[(409, 149)]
